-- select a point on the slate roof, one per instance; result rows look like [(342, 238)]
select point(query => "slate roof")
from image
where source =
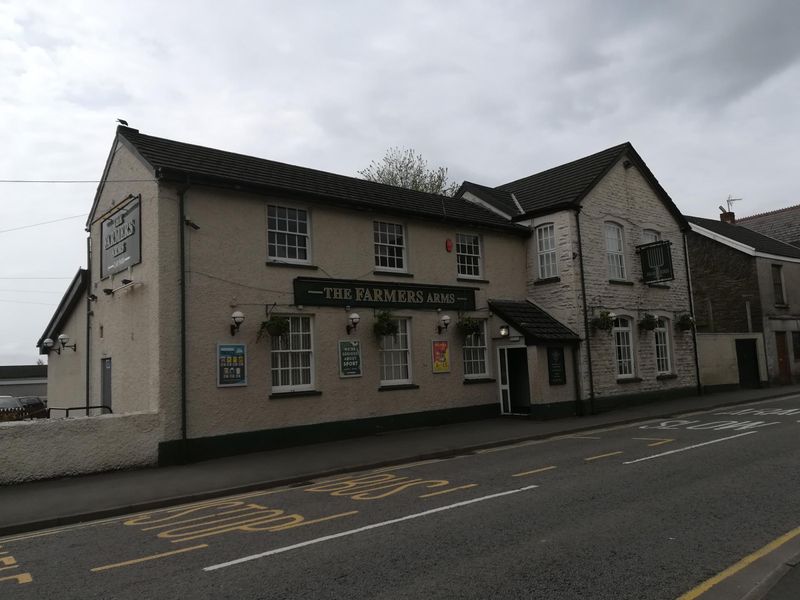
[(500, 199), (748, 237), (176, 160), (782, 224), (533, 322), (23, 372)]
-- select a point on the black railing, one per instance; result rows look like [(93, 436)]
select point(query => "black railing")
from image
[(101, 407)]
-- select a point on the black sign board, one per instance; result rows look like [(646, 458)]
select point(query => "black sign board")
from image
[(349, 358), (656, 261), (555, 365), (314, 291), (121, 239)]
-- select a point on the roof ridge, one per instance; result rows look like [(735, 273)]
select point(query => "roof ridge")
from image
[(769, 212), (723, 224)]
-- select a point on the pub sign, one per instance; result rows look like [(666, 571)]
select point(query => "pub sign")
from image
[(121, 239), (349, 358), (656, 262)]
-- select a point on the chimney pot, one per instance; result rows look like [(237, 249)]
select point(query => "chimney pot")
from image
[(728, 217)]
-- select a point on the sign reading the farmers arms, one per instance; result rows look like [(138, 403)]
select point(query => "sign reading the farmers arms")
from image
[(314, 291), (121, 239), (231, 365), (349, 358)]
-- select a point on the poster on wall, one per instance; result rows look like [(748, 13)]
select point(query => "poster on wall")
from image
[(555, 365), (440, 356), (349, 358), (231, 365)]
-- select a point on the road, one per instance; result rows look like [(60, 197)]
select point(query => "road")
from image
[(642, 511)]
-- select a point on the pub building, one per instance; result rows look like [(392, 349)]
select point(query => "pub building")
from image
[(253, 304)]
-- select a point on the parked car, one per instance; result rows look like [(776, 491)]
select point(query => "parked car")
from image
[(34, 406), (18, 409)]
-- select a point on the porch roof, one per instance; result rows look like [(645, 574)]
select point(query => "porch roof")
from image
[(533, 322)]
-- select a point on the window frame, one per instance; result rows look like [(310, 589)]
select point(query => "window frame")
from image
[(663, 328), (479, 256), (383, 352), (623, 330), (277, 348), (778, 283), (551, 253), (306, 235), (476, 347), (620, 254), (403, 247)]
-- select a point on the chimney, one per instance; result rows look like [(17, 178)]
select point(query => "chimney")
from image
[(728, 217)]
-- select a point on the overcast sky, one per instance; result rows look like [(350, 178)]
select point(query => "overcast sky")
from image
[(707, 92)]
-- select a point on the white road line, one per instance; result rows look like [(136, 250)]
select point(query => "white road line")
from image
[(367, 528), (692, 447)]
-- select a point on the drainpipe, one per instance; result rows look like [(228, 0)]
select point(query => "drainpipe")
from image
[(585, 312), (181, 237), (691, 312)]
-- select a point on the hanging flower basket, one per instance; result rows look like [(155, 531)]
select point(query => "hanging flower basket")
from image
[(385, 324), (468, 326), (274, 327), (648, 322), (684, 322), (603, 321)]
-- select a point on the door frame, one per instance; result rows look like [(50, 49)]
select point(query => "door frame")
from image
[(503, 373)]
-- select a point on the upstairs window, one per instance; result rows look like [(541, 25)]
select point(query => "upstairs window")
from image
[(650, 235), (546, 251), (468, 255), (287, 234), (623, 347), (615, 250), (390, 246), (777, 284)]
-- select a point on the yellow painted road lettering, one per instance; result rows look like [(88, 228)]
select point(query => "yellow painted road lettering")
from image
[(20, 579)]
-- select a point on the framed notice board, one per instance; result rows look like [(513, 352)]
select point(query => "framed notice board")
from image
[(555, 365), (231, 365), (440, 356), (349, 358)]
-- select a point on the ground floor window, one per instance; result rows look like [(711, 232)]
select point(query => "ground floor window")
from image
[(475, 364), (292, 357), (623, 347), (662, 347), (395, 355)]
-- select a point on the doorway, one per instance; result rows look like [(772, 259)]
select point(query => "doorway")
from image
[(515, 391), (784, 371), (747, 361), (105, 382)]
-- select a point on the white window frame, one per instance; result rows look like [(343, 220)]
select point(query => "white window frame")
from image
[(470, 347), (376, 233), (620, 332), (615, 256), (662, 346), (287, 232), (547, 258), (387, 348), (474, 241), (283, 346), (654, 235)]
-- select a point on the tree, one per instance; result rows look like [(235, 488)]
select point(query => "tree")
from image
[(404, 168)]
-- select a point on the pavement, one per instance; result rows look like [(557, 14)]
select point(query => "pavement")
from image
[(54, 502)]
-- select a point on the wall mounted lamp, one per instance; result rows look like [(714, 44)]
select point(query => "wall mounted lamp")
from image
[(504, 331), (354, 319), (63, 339), (443, 323), (127, 281), (238, 318)]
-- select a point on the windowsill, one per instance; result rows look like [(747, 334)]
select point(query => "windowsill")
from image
[(474, 380), (666, 376), (277, 395), (275, 263), (620, 282), (661, 286), (392, 273), (547, 280), (781, 306), (471, 279), (401, 386), (629, 379)]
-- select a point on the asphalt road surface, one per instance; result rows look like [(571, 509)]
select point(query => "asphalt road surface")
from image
[(642, 511)]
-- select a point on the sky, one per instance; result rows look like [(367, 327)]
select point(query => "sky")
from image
[(707, 92)]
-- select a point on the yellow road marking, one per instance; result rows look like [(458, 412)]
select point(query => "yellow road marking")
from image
[(746, 561), (20, 579), (534, 471), (406, 466), (146, 558), (463, 487), (603, 455), (582, 437), (657, 441)]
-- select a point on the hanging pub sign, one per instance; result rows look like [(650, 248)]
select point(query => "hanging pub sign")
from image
[(555, 365), (312, 291), (656, 260), (349, 358), (231, 365), (121, 239)]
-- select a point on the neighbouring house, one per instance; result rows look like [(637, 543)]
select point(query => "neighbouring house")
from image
[(746, 289), (243, 303), (782, 224), (23, 380)]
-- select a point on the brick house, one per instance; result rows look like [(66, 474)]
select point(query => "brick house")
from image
[(746, 289)]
